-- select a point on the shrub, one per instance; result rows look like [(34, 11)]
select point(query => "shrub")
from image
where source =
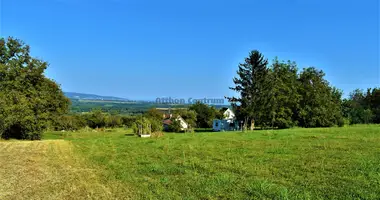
[(156, 125), (113, 121), (69, 122), (144, 125), (341, 122), (128, 121), (175, 126), (141, 126), (96, 119)]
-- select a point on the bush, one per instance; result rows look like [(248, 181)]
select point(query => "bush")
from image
[(113, 121), (175, 126), (141, 126), (156, 125), (128, 121), (341, 122), (96, 119), (144, 125)]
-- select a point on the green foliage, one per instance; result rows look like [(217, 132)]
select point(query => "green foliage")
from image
[(128, 120), (175, 126), (205, 114), (251, 84), (156, 125), (320, 104), (154, 114), (70, 122), (96, 118), (190, 116), (28, 100), (283, 98), (113, 121), (279, 97), (362, 108), (145, 125)]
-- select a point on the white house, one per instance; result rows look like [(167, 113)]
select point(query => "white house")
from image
[(228, 114), (228, 123), (168, 121)]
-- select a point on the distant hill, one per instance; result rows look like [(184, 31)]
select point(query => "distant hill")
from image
[(82, 96), (81, 102)]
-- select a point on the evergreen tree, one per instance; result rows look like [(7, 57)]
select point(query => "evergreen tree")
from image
[(251, 84)]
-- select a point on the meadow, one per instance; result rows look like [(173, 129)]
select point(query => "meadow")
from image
[(319, 163)]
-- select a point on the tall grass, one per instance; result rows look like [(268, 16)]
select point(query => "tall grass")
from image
[(333, 163)]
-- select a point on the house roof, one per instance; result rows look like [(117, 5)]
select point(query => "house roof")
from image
[(167, 122), (223, 109), (167, 116)]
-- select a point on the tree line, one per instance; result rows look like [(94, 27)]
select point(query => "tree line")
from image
[(362, 107), (278, 95)]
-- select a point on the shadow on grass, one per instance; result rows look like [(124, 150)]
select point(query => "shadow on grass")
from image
[(129, 134)]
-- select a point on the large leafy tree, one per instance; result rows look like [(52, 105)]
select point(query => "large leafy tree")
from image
[(154, 114), (373, 100), (363, 108), (320, 104), (283, 97), (253, 88), (205, 114), (29, 101)]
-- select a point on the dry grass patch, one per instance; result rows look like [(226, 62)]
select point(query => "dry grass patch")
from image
[(51, 170)]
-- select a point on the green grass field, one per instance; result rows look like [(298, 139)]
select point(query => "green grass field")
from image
[(330, 163)]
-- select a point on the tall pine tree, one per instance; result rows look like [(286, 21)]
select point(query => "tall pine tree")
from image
[(251, 84)]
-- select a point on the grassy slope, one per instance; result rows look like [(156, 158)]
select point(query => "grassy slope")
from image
[(341, 163), (50, 170)]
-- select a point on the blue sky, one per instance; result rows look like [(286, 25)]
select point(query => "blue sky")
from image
[(143, 49)]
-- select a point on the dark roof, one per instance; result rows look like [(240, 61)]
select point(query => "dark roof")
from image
[(223, 109)]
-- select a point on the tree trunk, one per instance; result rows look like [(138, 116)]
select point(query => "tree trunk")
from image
[(245, 126), (252, 124)]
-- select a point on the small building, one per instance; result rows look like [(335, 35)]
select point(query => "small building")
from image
[(228, 123), (228, 114), (225, 125), (168, 121)]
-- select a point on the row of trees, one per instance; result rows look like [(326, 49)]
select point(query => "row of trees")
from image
[(362, 107), (278, 95), (94, 119)]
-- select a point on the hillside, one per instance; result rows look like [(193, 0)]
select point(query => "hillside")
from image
[(82, 96), (321, 163)]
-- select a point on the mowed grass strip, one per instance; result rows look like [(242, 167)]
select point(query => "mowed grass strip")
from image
[(323, 163), (51, 170)]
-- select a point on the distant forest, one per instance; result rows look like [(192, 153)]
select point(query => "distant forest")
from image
[(122, 107)]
